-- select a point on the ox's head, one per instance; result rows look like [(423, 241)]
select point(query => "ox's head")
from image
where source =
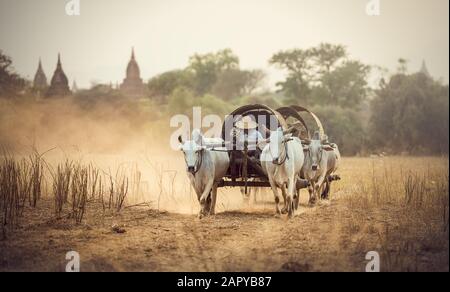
[(314, 151), (277, 141), (192, 150)]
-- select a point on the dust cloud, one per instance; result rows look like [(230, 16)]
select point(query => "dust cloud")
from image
[(123, 136)]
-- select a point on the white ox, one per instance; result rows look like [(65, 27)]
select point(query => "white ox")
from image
[(321, 160), (205, 169), (333, 161), (282, 160)]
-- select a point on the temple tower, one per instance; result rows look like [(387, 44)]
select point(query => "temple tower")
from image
[(40, 80), (132, 85), (59, 85)]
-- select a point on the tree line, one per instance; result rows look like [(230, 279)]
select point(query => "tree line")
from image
[(404, 113)]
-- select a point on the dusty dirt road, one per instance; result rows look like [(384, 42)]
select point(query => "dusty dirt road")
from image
[(332, 236), (231, 241)]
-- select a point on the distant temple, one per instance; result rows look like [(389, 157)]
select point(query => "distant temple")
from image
[(424, 69), (40, 80), (132, 85), (59, 85)]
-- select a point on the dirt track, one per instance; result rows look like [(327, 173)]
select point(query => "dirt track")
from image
[(231, 241), (332, 236)]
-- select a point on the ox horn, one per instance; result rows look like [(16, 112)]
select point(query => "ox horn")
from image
[(289, 131)]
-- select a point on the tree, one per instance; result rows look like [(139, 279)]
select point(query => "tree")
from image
[(327, 57), (323, 75), (208, 67), (254, 79), (98, 94), (234, 83), (181, 101), (229, 84), (343, 126), (163, 85), (346, 85), (10, 83), (402, 66), (410, 114), (298, 64), (211, 104)]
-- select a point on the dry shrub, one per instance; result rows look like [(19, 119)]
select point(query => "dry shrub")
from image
[(118, 190), (36, 178), (19, 181), (24, 182), (61, 184), (85, 184), (79, 192), (9, 194), (95, 183), (406, 212)]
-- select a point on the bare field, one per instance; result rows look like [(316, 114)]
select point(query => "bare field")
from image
[(397, 206)]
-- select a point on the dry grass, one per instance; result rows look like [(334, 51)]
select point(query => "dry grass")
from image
[(61, 185), (400, 207), (73, 186), (79, 192), (20, 181), (118, 190), (36, 177)]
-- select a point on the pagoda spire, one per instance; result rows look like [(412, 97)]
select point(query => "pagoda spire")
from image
[(132, 84), (40, 80), (59, 65), (424, 69), (59, 85)]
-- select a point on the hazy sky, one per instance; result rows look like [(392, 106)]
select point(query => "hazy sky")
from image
[(96, 45)]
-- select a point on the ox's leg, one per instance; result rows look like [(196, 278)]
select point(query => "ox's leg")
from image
[(204, 197), (297, 199), (213, 200), (276, 195), (207, 207), (312, 198), (326, 191), (285, 208), (290, 196), (316, 191), (328, 181), (296, 194), (319, 186)]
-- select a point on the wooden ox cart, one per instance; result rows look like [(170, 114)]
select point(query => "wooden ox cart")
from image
[(245, 167)]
